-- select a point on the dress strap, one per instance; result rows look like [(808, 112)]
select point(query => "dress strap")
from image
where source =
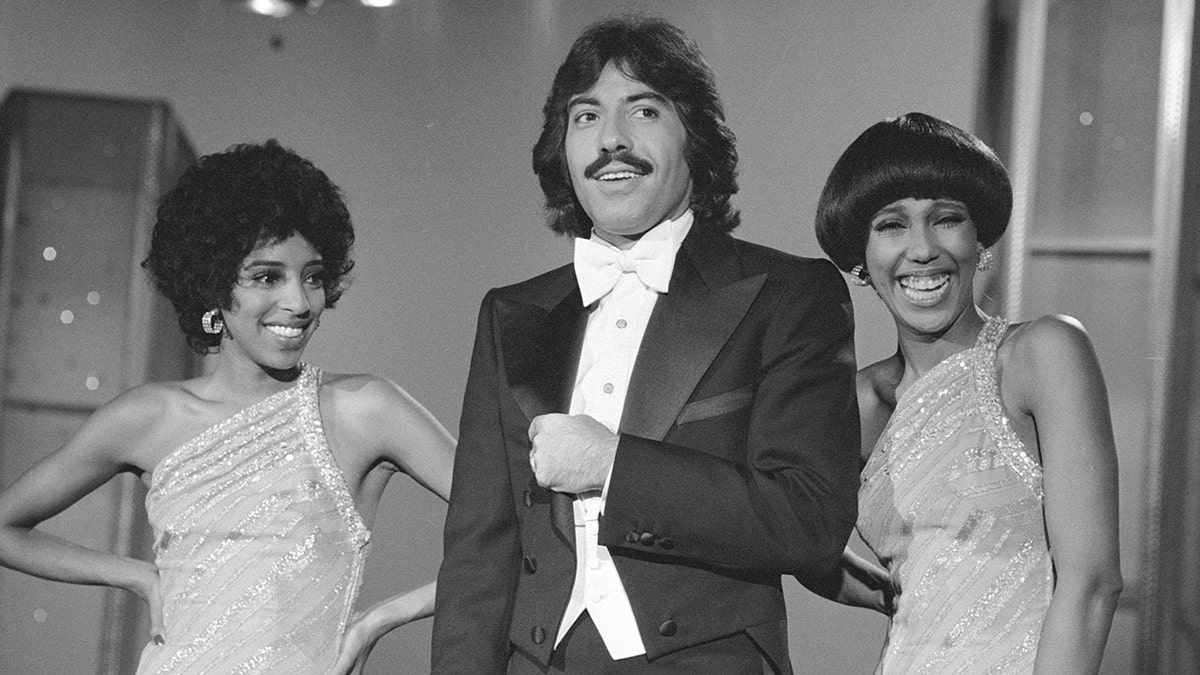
[(987, 390), (992, 334)]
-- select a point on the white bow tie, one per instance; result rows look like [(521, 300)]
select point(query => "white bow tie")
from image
[(599, 266)]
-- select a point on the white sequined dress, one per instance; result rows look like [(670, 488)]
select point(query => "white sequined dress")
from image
[(951, 503), (259, 547)]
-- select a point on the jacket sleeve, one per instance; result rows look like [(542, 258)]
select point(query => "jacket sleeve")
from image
[(789, 507), (478, 575)]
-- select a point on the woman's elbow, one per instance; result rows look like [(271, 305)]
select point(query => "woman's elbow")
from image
[(1100, 589), (1109, 587)]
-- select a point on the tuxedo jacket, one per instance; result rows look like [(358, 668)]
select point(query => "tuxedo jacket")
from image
[(737, 460)]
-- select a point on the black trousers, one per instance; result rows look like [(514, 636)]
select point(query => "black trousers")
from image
[(582, 652)]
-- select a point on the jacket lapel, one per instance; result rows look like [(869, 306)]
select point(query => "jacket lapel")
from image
[(687, 329), (540, 340)]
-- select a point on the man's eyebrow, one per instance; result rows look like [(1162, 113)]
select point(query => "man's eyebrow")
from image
[(582, 100), (647, 95)]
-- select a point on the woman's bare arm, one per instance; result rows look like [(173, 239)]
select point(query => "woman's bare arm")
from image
[(378, 419), (1062, 389), (97, 452)]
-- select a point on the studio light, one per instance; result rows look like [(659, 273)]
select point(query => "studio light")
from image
[(282, 8)]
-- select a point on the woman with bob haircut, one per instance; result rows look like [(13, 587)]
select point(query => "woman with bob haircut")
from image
[(264, 473), (989, 480)]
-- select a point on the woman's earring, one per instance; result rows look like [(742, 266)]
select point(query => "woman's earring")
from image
[(212, 323), (986, 258), (859, 276)]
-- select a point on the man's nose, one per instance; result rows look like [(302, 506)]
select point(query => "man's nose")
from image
[(614, 135)]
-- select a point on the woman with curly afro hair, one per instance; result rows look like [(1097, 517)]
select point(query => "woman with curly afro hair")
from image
[(264, 473)]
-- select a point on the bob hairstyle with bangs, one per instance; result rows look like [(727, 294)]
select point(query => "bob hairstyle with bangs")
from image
[(228, 204), (661, 56), (912, 156)]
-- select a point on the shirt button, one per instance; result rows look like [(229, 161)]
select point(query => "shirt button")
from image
[(621, 323), (608, 388)]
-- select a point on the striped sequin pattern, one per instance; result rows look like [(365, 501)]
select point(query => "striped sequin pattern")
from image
[(951, 502), (258, 543)]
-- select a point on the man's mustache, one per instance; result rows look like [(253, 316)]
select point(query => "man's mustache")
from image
[(623, 156)]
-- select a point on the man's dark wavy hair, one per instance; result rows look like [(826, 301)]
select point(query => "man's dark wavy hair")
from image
[(911, 156), (225, 206), (662, 57)]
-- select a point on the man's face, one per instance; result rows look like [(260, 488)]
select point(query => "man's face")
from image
[(624, 148)]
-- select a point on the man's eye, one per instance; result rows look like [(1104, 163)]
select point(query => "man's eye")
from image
[(647, 113), (585, 117)]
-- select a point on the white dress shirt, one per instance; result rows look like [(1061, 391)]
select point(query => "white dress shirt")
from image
[(614, 333)]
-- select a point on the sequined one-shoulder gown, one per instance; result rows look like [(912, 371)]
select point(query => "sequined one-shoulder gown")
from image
[(258, 543), (951, 503)]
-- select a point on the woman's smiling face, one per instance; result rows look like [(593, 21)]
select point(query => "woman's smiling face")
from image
[(277, 301), (921, 255)]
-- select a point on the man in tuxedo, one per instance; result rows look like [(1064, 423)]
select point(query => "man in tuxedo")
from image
[(652, 435)]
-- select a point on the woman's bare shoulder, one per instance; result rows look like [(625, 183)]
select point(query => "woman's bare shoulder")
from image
[(371, 419), (1041, 357), (364, 392), (144, 405), (369, 403), (877, 382), (876, 386), (1050, 342), (130, 425)]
